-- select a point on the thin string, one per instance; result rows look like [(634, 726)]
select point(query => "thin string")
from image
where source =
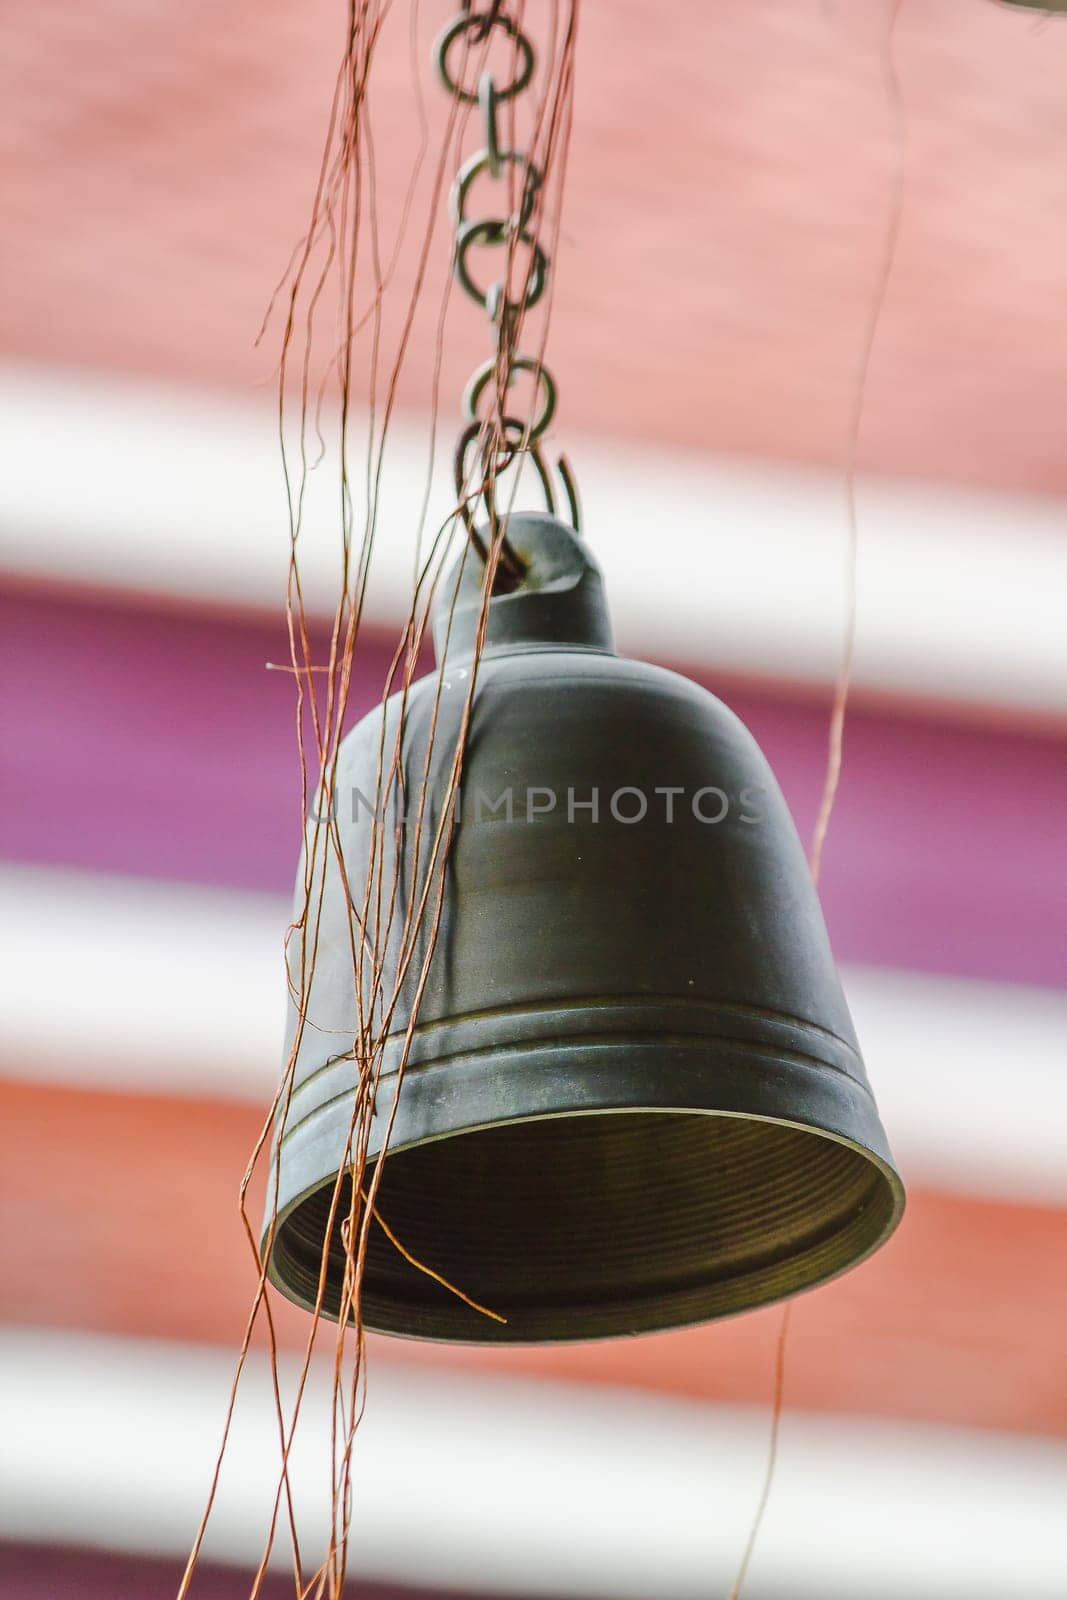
[(772, 1450), (835, 751), (859, 401)]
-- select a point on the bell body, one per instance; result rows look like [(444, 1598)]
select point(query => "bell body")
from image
[(633, 1098)]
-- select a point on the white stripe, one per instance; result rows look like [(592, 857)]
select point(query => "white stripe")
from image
[(521, 1486), (729, 564), (132, 984)]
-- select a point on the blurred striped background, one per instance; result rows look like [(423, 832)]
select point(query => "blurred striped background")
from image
[(730, 175)]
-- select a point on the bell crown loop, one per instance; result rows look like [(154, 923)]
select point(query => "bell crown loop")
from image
[(559, 601)]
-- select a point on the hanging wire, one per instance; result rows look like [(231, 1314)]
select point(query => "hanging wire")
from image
[(772, 1451), (859, 401), (339, 263), (835, 752)]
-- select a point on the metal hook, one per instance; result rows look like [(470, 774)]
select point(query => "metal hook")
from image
[(479, 25), (544, 379)]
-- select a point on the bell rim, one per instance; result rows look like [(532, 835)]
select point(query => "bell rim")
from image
[(891, 1189)]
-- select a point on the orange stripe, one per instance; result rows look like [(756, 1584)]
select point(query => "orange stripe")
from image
[(119, 1215)]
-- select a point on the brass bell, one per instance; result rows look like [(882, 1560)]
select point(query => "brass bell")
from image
[(633, 1099)]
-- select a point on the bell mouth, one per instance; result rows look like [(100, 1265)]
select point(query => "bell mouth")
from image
[(594, 1225)]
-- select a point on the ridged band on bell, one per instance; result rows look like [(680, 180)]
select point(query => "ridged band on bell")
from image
[(633, 1097)]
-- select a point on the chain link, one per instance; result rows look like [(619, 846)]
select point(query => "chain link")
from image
[(500, 438)]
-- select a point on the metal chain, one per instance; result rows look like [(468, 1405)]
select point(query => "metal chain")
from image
[(502, 438)]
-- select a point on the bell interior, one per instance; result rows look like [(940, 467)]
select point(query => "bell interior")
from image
[(594, 1225)]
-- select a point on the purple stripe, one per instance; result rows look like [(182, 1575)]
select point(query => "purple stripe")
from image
[(155, 743)]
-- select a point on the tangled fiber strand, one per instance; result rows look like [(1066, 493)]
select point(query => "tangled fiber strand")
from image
[(339, 261)]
